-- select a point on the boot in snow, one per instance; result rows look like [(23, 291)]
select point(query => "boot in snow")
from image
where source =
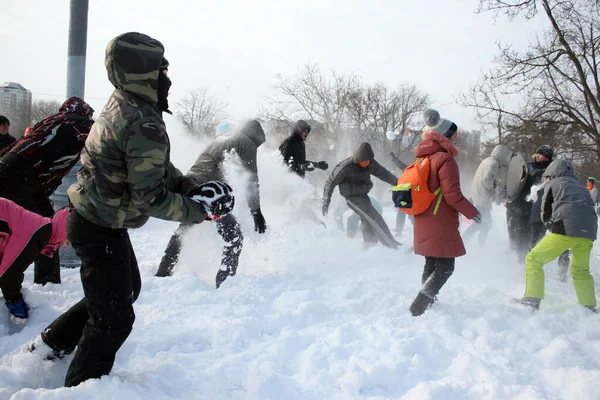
[(44, 351), (19, 310), (532, 302), (221, 276), (420, 304), (592, 309)]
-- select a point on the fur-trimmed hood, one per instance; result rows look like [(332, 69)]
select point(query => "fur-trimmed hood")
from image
[(433, 142)]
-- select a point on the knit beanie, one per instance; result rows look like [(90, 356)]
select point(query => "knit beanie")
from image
[(434, 123), (546, 150)]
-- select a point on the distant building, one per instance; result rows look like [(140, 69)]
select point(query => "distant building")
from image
[(15, 104)]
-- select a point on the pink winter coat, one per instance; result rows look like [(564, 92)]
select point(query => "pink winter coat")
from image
[(17, 226), (438, 235)]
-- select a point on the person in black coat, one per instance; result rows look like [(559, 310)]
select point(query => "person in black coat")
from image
[(5, 138), (294, 152)]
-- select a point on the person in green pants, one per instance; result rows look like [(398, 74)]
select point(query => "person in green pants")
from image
[(568, 212)]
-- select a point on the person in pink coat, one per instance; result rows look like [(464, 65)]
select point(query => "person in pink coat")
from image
[(25, 235)]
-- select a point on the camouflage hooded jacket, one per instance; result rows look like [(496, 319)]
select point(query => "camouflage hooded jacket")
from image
[(127, 176)]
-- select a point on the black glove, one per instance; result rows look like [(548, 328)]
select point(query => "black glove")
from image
[(216, 197), (477, 218), (322, 165), (260, 225), (325, 209)]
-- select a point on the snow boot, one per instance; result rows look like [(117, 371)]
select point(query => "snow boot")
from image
[(18, 309), (592, 309), (532, 302), (420, 304), (40, 348), (221, 276)]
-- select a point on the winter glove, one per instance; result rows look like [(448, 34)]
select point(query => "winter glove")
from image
[(260, 225), (322, 165), (477, 218), (309, 166), (325, 209), (216, 197)]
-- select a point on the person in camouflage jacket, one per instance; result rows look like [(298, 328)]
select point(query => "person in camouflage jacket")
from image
[(126, 177)]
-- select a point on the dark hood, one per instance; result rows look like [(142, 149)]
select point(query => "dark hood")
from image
[(254, 131), (132, 61), (77, 106), (363, 152)]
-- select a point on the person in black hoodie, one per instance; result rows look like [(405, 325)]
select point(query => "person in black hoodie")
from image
[(5, 138), (294, 152), (34, 166), (524, 217), (353, 176)]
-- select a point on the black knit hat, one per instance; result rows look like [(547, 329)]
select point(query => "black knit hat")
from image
[(546, 150)]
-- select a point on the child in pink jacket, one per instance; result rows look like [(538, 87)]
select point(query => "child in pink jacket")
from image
[(23, 236)]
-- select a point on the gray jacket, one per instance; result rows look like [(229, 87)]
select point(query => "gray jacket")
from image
[(487, 180), (353, 179), (244, 143), (567, 208)]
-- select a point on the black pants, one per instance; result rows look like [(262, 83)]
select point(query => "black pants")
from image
[(101, 322), (20, 183), (436, 273), (519, 230), (12, 279), (373, 226), (230, 231)]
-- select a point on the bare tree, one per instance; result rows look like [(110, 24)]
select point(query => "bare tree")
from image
[(41, 109), (376, 109), (200, 112), (555, 80), (310, 94)]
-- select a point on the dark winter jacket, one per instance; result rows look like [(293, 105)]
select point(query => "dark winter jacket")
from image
[(244, 143), (6, 141), (437, 235), (520, 206), (567, 208), (353, 179), (126, 175), (54, 144), (293, 149)]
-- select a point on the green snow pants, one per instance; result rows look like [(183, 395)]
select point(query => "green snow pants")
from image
[(548, 249)]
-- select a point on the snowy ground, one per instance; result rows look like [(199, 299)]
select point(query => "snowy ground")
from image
[(311, 315)]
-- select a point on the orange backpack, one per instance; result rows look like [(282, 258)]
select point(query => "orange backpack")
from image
[(412, 194)]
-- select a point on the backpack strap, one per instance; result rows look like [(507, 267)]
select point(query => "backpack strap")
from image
[(439, 194)]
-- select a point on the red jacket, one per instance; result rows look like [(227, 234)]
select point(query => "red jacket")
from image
[(17, 226), (438, 235)]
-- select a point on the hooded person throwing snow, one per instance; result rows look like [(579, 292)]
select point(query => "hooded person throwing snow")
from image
[(353, 175)]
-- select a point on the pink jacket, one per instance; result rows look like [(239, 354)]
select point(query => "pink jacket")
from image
[(17, 226)]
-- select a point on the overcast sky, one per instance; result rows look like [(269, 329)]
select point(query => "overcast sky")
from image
[(237, 46)]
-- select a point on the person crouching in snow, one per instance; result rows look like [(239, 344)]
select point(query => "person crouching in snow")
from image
[(436, 234), (568, 213), (353, 175), (25, 235)]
